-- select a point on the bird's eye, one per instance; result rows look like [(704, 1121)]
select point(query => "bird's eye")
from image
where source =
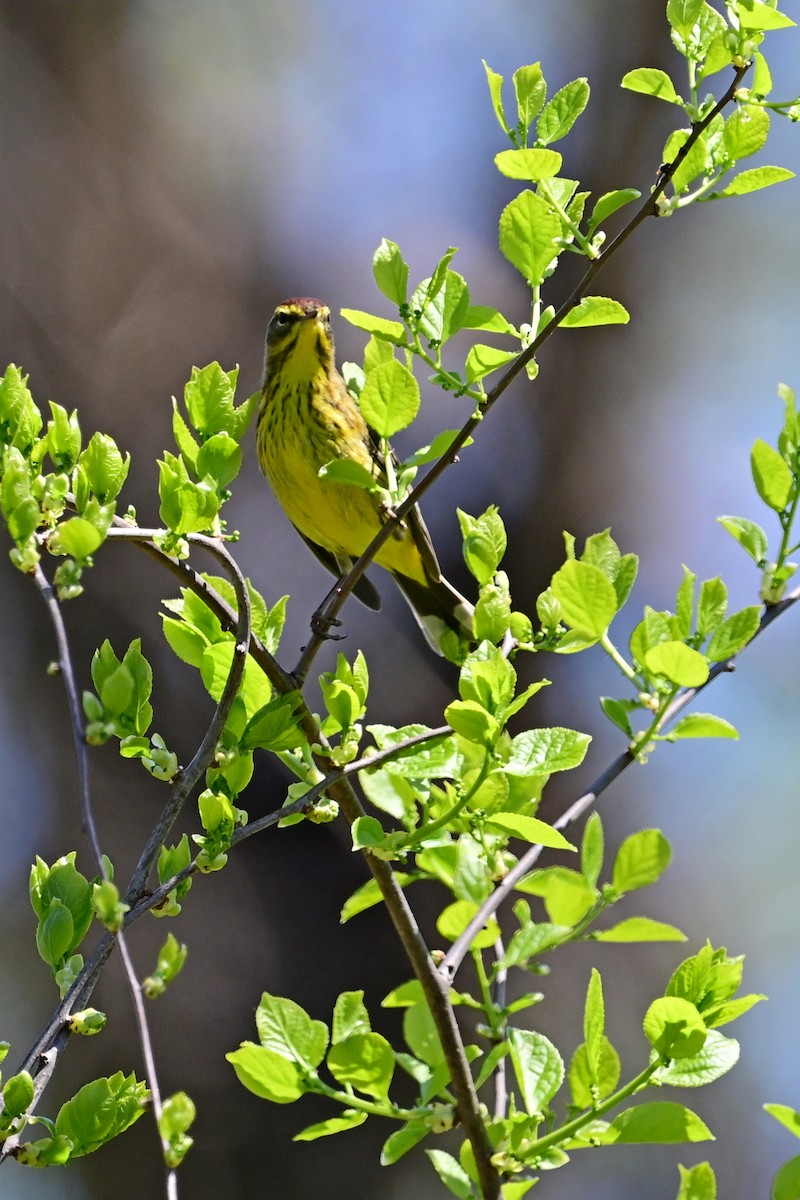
[(282, 319)]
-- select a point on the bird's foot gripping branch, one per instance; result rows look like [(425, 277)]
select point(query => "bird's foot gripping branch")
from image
[(449, 810)]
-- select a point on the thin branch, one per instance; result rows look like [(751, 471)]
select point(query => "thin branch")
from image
[(74, 706), (336, 598), (458, 951), (192, 774), (42, 1057)]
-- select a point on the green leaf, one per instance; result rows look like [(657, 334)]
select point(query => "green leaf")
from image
[(488, 320), (286, 1029), (587, 1088), (255, 690), (379, 327), (684, 603), (712, 606), (757, 16), (698, 725), (220, 458), (100, 1111), (390, 398), (186, 643), (267, 1074), (594, 1023), (528, 232), (749, 535), (592, 849), (391, 272), (454, 919), (746, 131), (530, 829), (495, 82), (596, 310), (734, 634), (350, 1119), (538, 1068), (484, 542), (609, 203), (367, 896), (77, 537), (567, 895), (366, 832), (683, 14), (561, 113), (674, 1027), (639, 929), (531, 940), (786, 1184), (788, 1117), (678, 663), (717, 1056), (641, 860), (437, 448), (771, 475), (349, 1016), (662, 1122), (444, 305), (482, 360), (542, 751), (586, 595), (651, 82), (420, 1034), (617, 711), (472, 722), (530, 89), (436, 759), (55, 935), (528, 164), (364, 1061), (405, 1139), (451, 1173), (697, 1182), (753, 180), (275, 726), (103, 467)]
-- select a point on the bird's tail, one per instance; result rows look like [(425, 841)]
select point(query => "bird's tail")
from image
[(437, 606)]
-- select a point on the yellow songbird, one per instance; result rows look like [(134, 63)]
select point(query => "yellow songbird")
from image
[(307, 419)]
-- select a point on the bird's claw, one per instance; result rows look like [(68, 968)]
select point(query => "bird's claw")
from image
[(321, 627)]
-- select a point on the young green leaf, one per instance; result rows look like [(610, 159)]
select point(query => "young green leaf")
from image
[(538, 1068), (641, 860), (596, 310), (662, 1123), (528, 231), (586, 595), (391, 271), (771, 475), (390, 398), (651, 82), (749, 535), (753, 180), (697, 1182), (364, 1061), (532, 165), (560, 114)]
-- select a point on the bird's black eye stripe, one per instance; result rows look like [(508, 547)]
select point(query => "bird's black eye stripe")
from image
[(283, 319)]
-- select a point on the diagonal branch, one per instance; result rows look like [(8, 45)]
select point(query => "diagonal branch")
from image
[(649, 208)]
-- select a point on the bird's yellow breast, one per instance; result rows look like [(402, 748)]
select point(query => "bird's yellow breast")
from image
[(301, 428)]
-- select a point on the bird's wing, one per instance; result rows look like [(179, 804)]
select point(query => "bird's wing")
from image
[(364, 589)]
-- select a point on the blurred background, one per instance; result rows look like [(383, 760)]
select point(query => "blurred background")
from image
[(172, 171)]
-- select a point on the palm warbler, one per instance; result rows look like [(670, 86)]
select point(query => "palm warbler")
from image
[(306, 419)]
